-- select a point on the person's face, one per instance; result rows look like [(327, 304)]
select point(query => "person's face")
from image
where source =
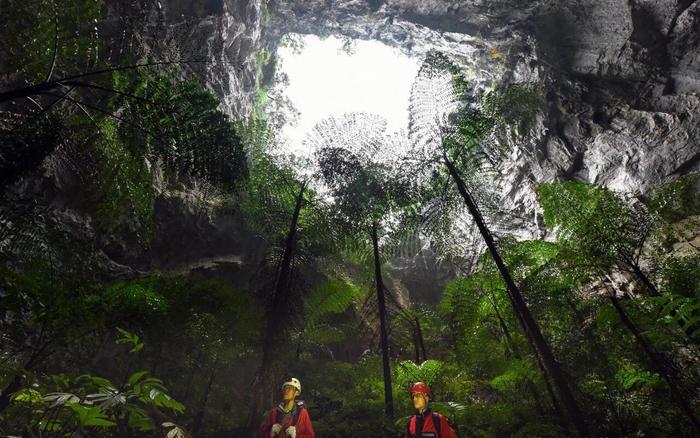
[(420, 401), (289, 392)]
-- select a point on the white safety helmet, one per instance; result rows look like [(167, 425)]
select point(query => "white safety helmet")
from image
[(294, 382)]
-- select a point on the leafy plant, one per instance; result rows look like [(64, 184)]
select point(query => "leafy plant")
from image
[(514, 105), (87, 402)]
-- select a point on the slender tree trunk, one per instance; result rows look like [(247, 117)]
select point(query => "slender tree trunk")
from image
[(553, 397), (653, 291), (559, 413), (516, 353), (280, 301), (198, 360), (530, 325), (421, 340), (199, 418), (416, 345), (657, 364), (642, 277), (388, 396)]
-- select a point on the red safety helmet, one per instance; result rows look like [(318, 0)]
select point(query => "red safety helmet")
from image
[(421, 387)]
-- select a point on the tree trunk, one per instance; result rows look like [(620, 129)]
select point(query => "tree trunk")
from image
[(642, 277), (561, 418), (416, 345), (199, 418), (657, 363), (280, 301), (530, 325), (653, 291), (185, 397), (516, 353), (388, 396), (420, 340)]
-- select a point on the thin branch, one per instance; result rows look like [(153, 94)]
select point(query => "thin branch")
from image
[(55, 45), (49, 85), (107, 113), (43, 110), (109, 90)]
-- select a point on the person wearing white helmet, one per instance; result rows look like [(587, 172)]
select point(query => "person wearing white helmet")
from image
[(289, 419)]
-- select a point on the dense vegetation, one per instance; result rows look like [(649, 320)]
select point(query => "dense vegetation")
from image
[(593, 331)]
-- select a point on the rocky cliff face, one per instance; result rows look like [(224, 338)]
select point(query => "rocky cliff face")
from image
[(217, 41), (622, 80), (622, 77)]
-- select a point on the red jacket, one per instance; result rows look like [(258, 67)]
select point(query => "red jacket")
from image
[(297, 417), (425, 422)]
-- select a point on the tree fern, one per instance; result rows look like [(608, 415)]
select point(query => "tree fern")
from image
[(517, 373), (603, 227), (334, 296), (408, 372), (445, 118)]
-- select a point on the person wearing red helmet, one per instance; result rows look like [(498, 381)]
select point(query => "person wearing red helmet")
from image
[(289, 419), (425, 423)]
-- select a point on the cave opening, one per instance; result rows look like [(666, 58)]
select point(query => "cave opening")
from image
[(320, 77)]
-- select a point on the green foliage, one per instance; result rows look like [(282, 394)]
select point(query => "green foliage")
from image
[(437, 61), (526, 258), (129, 338), (270, 196), (407, 372), (90, 403), (468, 305), (136, 298), (681, 275), (181, 125), (472, 126), (123, 187), (678, 199), (630, 378), (24, 147), (514, 105), (517, 373), (356, 157), (334, 296), (202, 335), (43, 36), (603, 229), (674, 310), (91, 416)]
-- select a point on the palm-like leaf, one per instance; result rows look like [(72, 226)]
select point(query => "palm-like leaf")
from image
[(445, 120)]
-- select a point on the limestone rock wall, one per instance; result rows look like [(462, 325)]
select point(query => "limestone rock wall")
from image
[(621, 78), (217, 41)]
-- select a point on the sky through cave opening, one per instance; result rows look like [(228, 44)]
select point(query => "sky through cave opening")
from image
[(333, 76)]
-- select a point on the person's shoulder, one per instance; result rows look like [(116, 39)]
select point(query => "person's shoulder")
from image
[(301, 408), (445, 418)]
